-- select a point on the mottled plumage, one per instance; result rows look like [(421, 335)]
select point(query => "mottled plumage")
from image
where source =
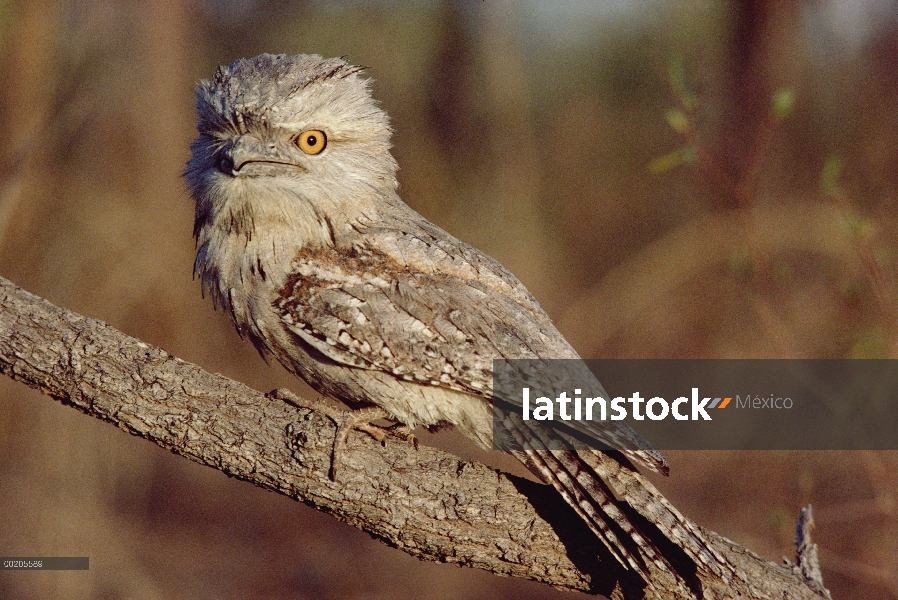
[(303, 239)]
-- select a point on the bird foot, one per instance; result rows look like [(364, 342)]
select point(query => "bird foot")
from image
[(346, 421)]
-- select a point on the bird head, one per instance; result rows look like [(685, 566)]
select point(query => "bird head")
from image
[(290, 140)]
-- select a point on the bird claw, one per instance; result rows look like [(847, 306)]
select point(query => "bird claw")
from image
[(403, 432), (346, 421)]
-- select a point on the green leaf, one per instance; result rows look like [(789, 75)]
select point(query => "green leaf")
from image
[(671, 160), (678, 121), (689, 100), (859, 227), (830, 174), (783, 102), (676, 72)]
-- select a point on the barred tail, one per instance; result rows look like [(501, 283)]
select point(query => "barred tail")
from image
[(597, 486), (631, 487), (595, 504)]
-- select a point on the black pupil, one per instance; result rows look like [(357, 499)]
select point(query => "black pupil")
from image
[(312, 140)]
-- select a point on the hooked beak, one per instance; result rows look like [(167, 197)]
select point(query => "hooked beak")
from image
[(247, 151)]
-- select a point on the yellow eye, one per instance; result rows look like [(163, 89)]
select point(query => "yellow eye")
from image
[(312, 141)]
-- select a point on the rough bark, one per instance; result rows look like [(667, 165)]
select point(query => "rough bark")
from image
[(425, 502)]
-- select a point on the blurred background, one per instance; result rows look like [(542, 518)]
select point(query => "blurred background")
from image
[(669, 178)]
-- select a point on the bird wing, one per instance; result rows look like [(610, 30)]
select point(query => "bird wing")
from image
[(437, 316), (368, 311)]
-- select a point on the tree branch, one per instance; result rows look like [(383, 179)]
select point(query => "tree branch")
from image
[(425, 502)]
